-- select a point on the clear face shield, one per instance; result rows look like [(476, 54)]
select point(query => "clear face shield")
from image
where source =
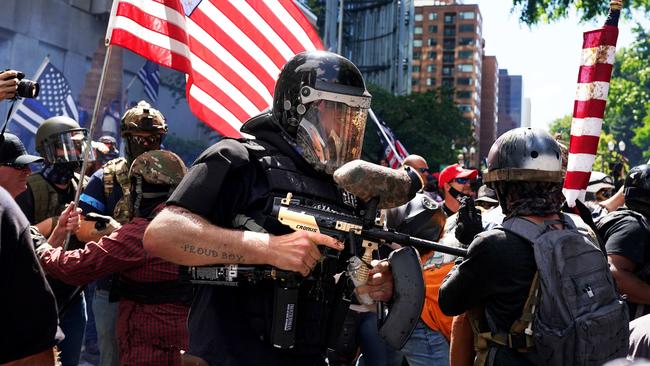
[(67, 147), (330, 133)]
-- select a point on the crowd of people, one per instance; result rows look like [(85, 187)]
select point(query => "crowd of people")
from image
[(194, 266)]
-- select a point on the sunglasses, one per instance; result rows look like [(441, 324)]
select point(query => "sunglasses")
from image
[(462, 180), (423, 170), (15, 166), (146, 140)]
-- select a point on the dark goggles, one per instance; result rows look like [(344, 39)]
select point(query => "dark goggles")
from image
[(462, 180), (146, 140), (15, 166)]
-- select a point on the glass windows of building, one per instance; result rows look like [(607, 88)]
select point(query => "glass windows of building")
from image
[(465, 54), (433, 55), (433, 16), (466, 15), (418, 17), (417, 30), (448, 82), (447, 70), (464, 81), (450, 30), (466, 41), (465, 67), (417, 43), (433, 29), (431, 42), (464, 94), (431, 68), (415, 81), (449, 44), (416, 68), (465, 108), (448, 57), (450, 18), (464, 28), (431, 81), (416, 54)]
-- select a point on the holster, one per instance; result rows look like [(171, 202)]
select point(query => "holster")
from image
[(398, 321)]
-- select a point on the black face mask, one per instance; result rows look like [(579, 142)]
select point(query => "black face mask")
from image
[(456, 193), (60, 173), (138, 145)]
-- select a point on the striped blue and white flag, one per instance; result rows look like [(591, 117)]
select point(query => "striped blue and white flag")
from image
[(149, 74), (54, 99)]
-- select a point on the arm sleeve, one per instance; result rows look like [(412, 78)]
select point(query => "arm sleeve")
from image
[(626, 237), (92, 199), (117, 252), (466, 285), (208, 189)]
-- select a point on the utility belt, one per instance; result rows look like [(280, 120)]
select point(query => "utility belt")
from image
[(161, 292), (289, 292)]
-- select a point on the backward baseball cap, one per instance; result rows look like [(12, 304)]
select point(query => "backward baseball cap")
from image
[(12, 151)]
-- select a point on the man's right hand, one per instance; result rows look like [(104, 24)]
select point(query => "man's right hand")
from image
[(8, 84), (299, 251)]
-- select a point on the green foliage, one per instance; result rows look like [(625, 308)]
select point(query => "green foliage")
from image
[(427, 124), (563, 127), (628, 104), (546, 11)]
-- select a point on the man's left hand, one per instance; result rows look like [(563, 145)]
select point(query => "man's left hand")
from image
[(380, 282)]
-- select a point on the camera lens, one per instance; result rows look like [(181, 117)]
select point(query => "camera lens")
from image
[(28, 89)]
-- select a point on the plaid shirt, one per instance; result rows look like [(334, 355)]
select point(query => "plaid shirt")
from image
[(148, 334)]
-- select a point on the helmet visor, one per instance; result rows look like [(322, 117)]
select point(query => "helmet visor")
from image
[(67, 147), (330, 134)]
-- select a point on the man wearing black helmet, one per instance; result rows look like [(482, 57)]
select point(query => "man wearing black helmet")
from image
[(221, 214), (504, 283), (627, 239)]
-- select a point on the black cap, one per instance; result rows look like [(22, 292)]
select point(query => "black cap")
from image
[(12, 151)]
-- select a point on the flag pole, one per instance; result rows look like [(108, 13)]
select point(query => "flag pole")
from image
[(91, 132), (390, 143)]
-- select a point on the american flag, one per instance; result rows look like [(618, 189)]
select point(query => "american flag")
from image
[(597, 59), (54, 99), (149, 75), (232, 51), (394, 151)]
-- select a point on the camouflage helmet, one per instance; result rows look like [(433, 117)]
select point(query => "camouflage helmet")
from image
[(158, 167), (143, 118)]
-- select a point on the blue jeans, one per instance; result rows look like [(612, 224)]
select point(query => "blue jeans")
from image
[(73, 325), (105, 321), (375, 352), (426, 347)]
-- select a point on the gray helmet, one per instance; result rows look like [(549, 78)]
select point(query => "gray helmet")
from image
[(60, 139), (524, 154), (637, 188)]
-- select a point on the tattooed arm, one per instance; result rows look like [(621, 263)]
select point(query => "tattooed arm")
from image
[(182, 237)]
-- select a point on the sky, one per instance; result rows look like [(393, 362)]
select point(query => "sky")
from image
[(546, 55)]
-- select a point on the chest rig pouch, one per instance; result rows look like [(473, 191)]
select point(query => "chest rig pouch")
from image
[(284, 308)]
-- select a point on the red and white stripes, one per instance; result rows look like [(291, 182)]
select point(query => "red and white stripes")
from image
[(232, 51), (598, 51)]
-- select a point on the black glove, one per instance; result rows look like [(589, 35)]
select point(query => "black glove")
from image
[(469, 221)]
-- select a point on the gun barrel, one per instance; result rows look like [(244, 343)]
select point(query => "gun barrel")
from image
[(404, 239)]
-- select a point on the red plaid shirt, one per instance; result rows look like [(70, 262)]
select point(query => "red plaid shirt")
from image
[(148, 334)]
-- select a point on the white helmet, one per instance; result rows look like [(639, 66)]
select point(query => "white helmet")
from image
[(598, 181)]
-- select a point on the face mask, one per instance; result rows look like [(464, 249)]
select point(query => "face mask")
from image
[(60, 173), (138, 145), (456, 193)]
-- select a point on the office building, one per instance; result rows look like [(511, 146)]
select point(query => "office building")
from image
[(489, 105), (510, 100)]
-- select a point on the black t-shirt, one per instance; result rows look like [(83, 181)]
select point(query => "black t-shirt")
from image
[(497, 274), (225, 322), (29, 315), (624, 235)]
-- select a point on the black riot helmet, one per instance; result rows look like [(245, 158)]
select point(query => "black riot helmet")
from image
[(637, 189), (321, 102), (524, 154)]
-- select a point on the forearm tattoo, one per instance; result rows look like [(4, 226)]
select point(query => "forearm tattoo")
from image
[(206, 252)]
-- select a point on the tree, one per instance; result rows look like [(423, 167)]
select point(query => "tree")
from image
[(546, 11), (428, 124)]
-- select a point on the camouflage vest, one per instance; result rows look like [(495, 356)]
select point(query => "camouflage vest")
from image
[(118, 170), (46, 198)]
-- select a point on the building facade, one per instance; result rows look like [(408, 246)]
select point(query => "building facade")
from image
[(376, 36), (510, 101), (489, 105), (448, 52)]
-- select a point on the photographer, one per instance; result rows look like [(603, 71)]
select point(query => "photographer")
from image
[(8, 84)]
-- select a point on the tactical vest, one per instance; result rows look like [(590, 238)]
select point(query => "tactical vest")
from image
[(117, 171), (317, 296)]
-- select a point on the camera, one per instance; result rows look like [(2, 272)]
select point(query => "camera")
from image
[(26, 88)]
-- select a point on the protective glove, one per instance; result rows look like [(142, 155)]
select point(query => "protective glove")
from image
[(469, 221)]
